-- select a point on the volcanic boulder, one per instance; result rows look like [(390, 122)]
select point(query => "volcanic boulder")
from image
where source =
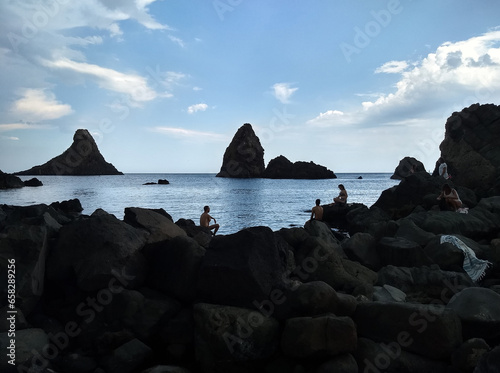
[(406, 167), (81, 158), (470, 148), (244, 157)]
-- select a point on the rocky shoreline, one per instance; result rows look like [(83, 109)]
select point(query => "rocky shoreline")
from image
[(382, 293)]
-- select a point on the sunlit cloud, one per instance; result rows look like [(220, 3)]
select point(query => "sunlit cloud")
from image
[(39, 105), (189, 134), (392, 67), (197, 107), (283, 91), (177, 41), (133, 85), (22, 126)]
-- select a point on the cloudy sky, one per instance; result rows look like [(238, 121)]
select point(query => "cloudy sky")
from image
[(164, 85)]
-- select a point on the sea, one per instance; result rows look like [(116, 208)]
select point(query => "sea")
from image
[(234, 203)]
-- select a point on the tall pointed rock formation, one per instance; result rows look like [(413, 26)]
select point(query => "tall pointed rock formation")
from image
[(81, 158), (244, 157)]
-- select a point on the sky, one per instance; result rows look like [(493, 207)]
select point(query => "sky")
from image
[(163, 85)]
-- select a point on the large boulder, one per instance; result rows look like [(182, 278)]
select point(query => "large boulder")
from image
[(95, 250), (281, 168), (401, 252), (174, 267), (157, 222), (430, 331), (406, 167), (8, 181), (479, 310), (225, 333), (313, 337), (244, 157), (81, 158), (242, 268), (31, 350), (470, 148)]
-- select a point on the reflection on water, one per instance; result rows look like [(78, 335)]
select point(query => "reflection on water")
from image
[(235, 203)]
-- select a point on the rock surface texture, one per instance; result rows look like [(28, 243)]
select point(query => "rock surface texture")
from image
[(471, 148), (81, 158), (244, 157)]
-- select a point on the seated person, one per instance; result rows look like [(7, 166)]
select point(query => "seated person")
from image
[(205, 219), (450, 197), (341, 199), (317, 211)]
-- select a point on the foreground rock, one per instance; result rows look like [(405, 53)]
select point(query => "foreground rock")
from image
[(244, 157), (8, 181), (281, 168), (142, 294), (81, 158)]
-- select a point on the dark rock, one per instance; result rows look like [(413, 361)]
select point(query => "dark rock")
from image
[(159, 226), (425, 284), (281, 168), (163, 182), (479, 310), (401, 252), (8, 181), (174, 267), (467, 356), (470, 148), (361, 247), (388, 293), (166, 369), (71, 207), (127, 357), (34, 182), (244, 157), (489, 362), (406, 167), (409, 230), (312, 299), (202, 235), (29, 246), (102, 249), (307, 337), (77, 363), (409, 325), (81, 158), (339, 364), (225, 333), (30, 345), (390, 357), (247, 263)]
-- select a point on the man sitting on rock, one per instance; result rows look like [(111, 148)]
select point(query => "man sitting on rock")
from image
[(317, 211), (205, 219)]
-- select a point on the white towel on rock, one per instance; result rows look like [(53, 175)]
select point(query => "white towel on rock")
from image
[(473, 266)]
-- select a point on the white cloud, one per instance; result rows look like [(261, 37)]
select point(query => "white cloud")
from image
[(39, 105), (189, 134), (133, 85), (177, 40), (197, 107), (283, 92), (392, 67)]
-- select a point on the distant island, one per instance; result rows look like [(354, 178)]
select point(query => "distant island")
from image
[(81, 158), (244, 158)]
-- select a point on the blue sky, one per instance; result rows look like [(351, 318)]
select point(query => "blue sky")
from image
[(164, 85)]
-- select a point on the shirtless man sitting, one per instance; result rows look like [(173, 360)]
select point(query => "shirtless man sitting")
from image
[(317, 211), (205, 219)]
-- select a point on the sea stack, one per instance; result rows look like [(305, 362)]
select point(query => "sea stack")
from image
[(244, 157), (81, 158), (281, 168)]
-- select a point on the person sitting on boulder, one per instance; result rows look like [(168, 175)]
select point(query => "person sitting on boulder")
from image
[(341, 199), (450, 197), (317, 211), (205, 219)]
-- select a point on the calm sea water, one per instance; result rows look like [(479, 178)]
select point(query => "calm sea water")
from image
[(235, 203)]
